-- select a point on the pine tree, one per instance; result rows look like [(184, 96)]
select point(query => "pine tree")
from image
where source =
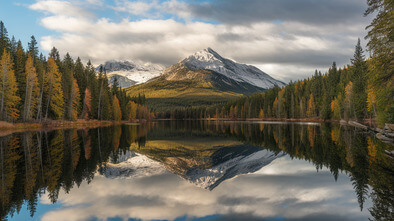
[(359, 95), (20, 64), (8, 89), (67, 85), (4, 40), (32, 90), (32, 48)]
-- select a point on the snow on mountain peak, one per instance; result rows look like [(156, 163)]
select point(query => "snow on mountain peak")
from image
[(210, 60), (138, 72)]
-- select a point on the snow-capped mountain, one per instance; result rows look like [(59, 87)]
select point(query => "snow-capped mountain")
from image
[(137, 72), (228, 70), (138, 165)]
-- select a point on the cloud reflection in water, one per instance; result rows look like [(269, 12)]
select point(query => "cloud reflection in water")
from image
[(290, 189)]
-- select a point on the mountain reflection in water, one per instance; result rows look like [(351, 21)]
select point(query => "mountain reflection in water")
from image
[(128, 172)]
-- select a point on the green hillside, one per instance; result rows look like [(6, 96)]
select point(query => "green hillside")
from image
[(163, 95)]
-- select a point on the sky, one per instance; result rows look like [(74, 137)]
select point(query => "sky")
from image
[(287, 39)]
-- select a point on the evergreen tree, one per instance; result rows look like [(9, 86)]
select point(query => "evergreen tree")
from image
[(4, 40), (20, 64), (32, 48), (67, 85), (380, 44), (359, 68)]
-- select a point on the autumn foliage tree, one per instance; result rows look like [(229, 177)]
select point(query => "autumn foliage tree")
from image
[(87, 105), (74, 99), (8, 89), (33, 87), (32, 90), (53, 91), (117, 113)]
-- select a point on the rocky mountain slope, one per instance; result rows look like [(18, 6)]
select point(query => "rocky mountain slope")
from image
[(202, 79), (130, 72), (223, 70)]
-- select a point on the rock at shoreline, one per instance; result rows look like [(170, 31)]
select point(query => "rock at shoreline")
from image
[(355, 124), (343, 122), (382, 137), (389, 127)]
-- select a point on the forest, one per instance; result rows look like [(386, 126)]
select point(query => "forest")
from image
[(361, 90), (34, 88)]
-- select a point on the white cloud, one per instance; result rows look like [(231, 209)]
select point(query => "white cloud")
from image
[(288, 49), (271, 192), (136, 7), (64, 8)]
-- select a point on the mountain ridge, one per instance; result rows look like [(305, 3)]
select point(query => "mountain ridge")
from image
[(202, 79), (131, 72)]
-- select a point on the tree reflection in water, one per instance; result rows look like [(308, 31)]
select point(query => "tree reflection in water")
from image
[(34, 163)]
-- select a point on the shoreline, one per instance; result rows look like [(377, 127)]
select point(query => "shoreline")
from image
[(10, 128)]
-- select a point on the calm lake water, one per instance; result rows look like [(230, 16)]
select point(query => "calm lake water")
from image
[(197, 170)]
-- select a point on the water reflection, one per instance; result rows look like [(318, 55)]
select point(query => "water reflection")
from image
[(122, 171)]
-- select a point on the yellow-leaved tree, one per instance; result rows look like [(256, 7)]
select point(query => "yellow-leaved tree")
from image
[(75, 99), (32, 91), (86, 106), (132, 110), (117, 113), (8, 89), (310, 112), (53, 90)]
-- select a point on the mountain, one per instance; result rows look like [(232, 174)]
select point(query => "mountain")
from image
[(202, 79), (223, 70), (131, 72), (122, 81)]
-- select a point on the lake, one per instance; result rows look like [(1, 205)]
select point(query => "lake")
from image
[(197, 170)]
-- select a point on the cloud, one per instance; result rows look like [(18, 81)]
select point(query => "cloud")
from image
[(64, 8), (137, 7), (255, 11), (273, 191), (292, 38)]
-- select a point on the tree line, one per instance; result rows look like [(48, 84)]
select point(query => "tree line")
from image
[(360, 90), (34, 88)]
